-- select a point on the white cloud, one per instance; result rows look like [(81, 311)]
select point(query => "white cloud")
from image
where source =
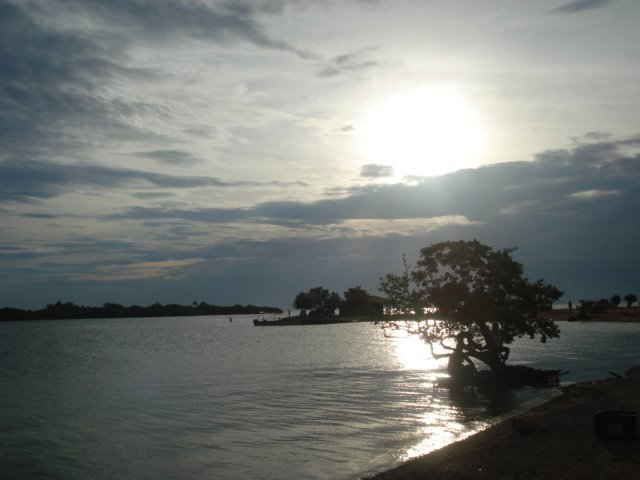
[(132, 134), (594, 194), (164, 270)]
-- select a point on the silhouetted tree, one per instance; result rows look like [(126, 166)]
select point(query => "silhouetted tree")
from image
[(615, 300), (401, 297), (356, 302), (481, 301), (318, 300), (630, 298), (303, 301), (601, 306)]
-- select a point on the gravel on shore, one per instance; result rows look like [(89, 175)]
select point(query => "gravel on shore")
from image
[(555, 440)]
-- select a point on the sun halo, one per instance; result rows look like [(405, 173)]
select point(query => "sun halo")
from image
[(424, 132)]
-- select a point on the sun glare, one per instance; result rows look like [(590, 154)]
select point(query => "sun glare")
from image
[(425, 132), (414, 354)]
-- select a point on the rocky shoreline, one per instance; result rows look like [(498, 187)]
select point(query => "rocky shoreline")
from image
[(554, 440)]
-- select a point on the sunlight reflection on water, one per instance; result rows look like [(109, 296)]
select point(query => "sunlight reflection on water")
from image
[(413, 355), (205, 398), (439, 422)]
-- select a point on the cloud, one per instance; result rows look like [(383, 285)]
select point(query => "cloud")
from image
[(180, 83), (356, 61), (555, 186), (592, 137), (570, 212), (164, 270), (579, 6), (376, 171), (223, 22), (171, 157), (25, 179), (68, 77), (593, 194), (36, 55), (51, 84)]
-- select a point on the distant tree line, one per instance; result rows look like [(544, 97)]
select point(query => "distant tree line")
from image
[(319, 302), (586, 307), (68, 310)]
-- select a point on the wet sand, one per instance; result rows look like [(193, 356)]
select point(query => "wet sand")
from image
[(555, 440)]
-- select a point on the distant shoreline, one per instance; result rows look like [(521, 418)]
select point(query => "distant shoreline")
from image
[(302, 320), (620, 314), (70, 311)]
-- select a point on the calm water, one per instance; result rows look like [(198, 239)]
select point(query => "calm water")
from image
[(203, 398)]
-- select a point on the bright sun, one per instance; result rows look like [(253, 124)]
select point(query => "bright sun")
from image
[(424, 132)]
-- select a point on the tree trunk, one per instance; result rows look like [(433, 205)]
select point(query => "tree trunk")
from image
[(493, 355), (491, 358)]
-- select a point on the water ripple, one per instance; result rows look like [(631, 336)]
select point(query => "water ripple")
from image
[(201, 398)]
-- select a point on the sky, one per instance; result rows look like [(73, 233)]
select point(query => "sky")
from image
[(239, 152)]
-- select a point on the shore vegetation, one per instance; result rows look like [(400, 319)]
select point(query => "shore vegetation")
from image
[(481, 299), (67, 310)]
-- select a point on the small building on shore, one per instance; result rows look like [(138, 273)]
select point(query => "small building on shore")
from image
[(376, 304), (370, 306)]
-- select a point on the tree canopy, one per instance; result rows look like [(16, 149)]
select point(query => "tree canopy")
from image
[(630, 298), (319, 301), (357, 302), (478, 295), (615, 300)]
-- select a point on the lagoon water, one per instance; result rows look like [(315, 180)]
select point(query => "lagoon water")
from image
[(205, 398)]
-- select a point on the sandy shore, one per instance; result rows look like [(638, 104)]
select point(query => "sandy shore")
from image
[(553, 441)]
